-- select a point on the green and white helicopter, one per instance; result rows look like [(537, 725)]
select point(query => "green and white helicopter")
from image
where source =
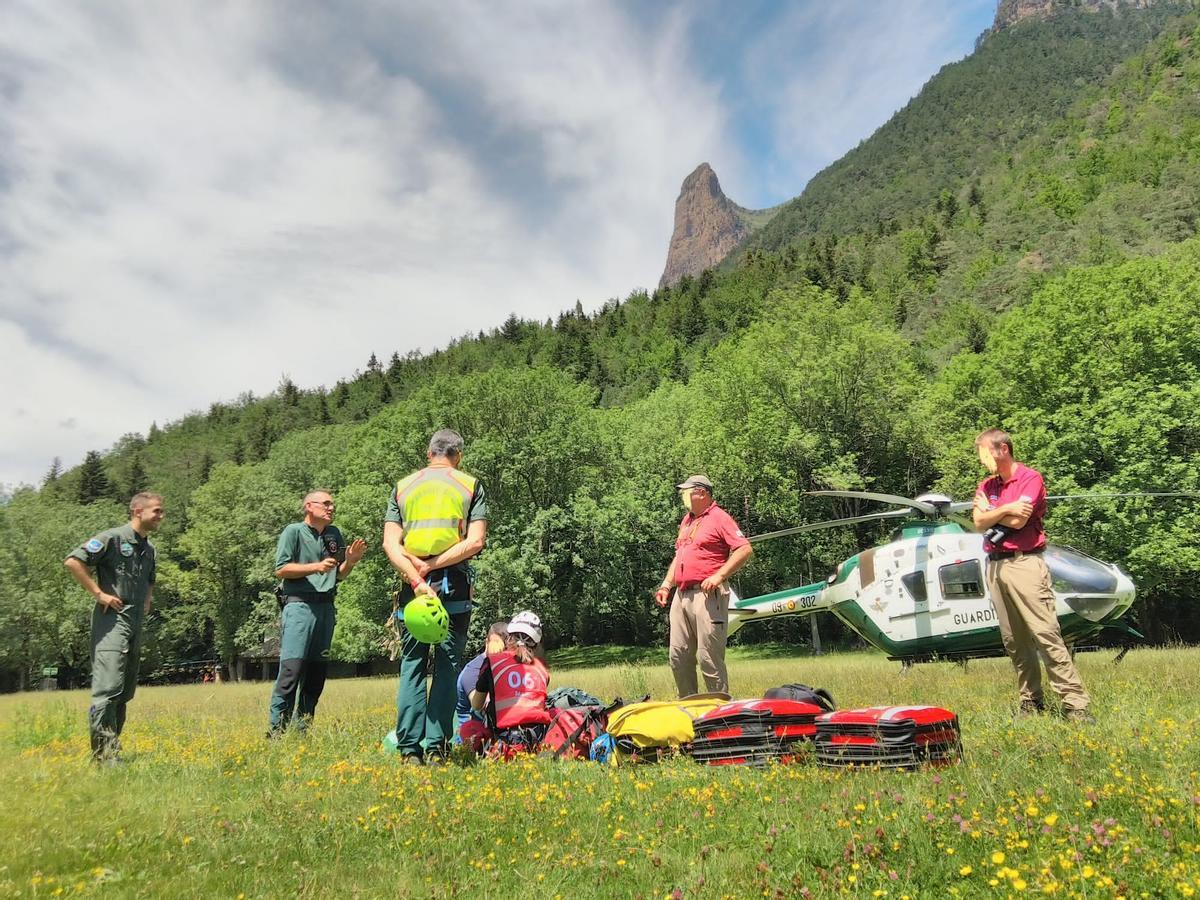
[(924, 596)]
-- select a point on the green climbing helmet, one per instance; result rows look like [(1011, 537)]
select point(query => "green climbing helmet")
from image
[(426, 619)]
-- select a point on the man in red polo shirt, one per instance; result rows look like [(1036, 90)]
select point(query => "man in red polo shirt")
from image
[(1014, 498), (709, 549)]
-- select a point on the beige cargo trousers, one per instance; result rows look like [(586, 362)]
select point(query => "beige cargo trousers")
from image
[(1024, 602), (699, 627)]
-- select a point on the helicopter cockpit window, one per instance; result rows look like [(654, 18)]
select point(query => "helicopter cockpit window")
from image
[(961, 580), (1077, 573), (914, 583)]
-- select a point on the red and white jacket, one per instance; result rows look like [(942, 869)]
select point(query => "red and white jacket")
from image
[(518, 691)]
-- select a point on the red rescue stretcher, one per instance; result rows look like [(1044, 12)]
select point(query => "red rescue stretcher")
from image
[(888, 736), (755, 732)]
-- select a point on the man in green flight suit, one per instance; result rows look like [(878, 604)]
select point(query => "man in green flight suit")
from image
[(436, 520), (124, 561), (310, 559)]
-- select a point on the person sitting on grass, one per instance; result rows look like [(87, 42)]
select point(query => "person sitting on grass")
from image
[(493, 643), (512, 686)]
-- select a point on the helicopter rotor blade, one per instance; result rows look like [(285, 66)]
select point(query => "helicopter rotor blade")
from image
[(966, 522), (895, 499), (829, 523), (963, 505), (1114, 496)]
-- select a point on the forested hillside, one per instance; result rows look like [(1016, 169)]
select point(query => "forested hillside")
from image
[(966, 120), (1051, 288)]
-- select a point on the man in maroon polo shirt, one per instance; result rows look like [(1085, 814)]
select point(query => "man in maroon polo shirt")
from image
[(709, 549), (1014, 498)]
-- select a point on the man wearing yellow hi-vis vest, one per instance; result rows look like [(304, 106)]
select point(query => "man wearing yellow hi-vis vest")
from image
[(436, 520)]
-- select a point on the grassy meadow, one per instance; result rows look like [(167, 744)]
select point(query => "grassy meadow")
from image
[(207, 807)]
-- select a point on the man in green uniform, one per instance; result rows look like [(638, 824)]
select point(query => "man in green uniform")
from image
[(310, 559), (124, 562), (436, 520)]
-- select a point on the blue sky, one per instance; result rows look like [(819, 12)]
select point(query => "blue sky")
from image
[(196, 199)]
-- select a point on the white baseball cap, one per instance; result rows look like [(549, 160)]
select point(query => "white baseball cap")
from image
[(527, 623)]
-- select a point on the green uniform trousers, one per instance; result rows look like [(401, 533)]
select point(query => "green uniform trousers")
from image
[(116, 651), (303, 661), (425, 722)]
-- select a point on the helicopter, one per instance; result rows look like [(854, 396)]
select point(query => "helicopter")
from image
[(923, 595)]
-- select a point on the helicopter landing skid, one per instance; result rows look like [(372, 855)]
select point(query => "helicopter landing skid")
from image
[(961, 659), (907, 662)]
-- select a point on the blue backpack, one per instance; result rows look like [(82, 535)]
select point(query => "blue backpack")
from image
[(603, 748)]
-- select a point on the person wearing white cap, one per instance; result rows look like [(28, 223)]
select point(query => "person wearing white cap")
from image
[(709, 548), (529, 624), (516, 680)]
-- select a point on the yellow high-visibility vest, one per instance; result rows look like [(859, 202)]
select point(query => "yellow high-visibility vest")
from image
[(434, 503)]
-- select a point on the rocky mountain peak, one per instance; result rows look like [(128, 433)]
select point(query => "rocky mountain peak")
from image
[(1010, 12), (707, 226)]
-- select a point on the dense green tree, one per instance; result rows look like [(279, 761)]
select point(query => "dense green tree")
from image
[(50, 479), (1098, 378), (234, 521), (136, 480), (43, 613), (395, 369), (261, 436), (206, 464), (511, 329), (288, 393), (817, 395), (988, 230), (93, 480)]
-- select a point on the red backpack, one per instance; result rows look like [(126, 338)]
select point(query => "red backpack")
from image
[(572, 730)]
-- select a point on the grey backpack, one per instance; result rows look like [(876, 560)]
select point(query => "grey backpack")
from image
[(802, 692)]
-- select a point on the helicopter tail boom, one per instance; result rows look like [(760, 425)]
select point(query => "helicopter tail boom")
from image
[(797, 601)]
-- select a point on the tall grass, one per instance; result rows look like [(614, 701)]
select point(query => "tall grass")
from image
[(207, 807)]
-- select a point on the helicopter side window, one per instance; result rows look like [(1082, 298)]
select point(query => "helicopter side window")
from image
[(961, 580), (914, 583)]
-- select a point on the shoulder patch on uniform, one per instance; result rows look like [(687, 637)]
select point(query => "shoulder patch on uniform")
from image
[(95, 545)]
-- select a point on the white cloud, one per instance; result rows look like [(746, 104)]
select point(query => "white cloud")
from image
[(195, 198)]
